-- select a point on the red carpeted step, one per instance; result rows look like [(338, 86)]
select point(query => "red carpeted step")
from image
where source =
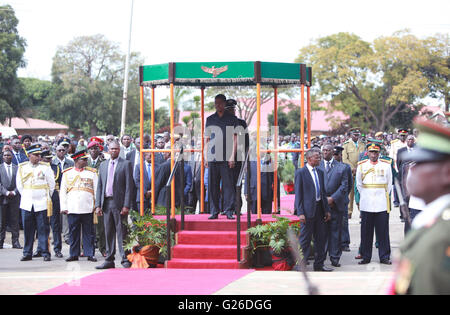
[(203, 263), (214, 225), (205, 251), (210, 237)]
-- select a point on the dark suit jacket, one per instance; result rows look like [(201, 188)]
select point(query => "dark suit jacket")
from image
[(400, 161), (22, 157), (137, 181), (161, 178), (336, 184), (267, 181), (159, 158), (305, 193), (123, 184), (131, 156), (7, 185)]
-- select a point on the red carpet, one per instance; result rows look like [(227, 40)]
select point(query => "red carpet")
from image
[(208, 244), (151, 281)]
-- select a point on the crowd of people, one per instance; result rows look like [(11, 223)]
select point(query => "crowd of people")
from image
[(90, 186)]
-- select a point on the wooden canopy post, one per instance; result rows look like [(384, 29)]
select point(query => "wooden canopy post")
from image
[(153, 147), (141, 153), (202, 168), (275, 172), (258, 150), (172, 149)]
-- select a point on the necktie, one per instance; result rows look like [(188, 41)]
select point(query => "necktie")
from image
[(317, 184), (328, 166), (149, 172), (110, 181), (8, 167)]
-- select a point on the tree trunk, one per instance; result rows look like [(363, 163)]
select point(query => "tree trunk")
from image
[(93, 129)]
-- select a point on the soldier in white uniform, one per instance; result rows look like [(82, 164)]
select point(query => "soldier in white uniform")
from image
[(396, 145), (78, 186), (35, 182), (374, 182)]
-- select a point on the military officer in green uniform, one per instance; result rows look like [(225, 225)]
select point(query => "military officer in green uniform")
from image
[(353, 147), (424, 266)]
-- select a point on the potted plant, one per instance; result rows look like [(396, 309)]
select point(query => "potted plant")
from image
[(271, 239), (287, 176), (147, 239)]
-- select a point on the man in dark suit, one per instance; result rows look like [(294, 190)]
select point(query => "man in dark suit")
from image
[(410, 143), (64, 163), (336, 187), (18, 153), (159, 156), (134, 158), (147, 182), (113, 201), (161, 177), (267, 181), (312, 208), (345, 234), (9, 200)]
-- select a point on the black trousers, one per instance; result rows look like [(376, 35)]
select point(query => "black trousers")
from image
[(218, 171), (115, 225), (10, 216), (378, 221), (314, 227), (81, 223), (334, 241)]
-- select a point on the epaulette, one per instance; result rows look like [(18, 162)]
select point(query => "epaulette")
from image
[(363, 161), (386, 161), (44, 163), (23, 163), (91, 169), (346, 141), (393, 141), (67, 169)]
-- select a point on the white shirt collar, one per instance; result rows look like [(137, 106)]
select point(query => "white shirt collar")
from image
[(432, 212)]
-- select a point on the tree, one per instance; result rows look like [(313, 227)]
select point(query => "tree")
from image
[(370, 82), (437, 71), (179, 93), (12, 48), (88, 76), (36, 97)]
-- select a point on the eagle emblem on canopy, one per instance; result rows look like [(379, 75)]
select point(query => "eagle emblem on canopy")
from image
[(215, 71)]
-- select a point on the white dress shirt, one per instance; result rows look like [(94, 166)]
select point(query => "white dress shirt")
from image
[(310, 169)]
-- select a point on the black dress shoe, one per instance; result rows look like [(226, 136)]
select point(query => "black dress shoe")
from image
[(26, 258), (230, 217), (323, 268), (106, 265), (59, 255), (1, 246), (72, 258), (126, 264), (223, 213), (37, 255), (386, 262), (335, 263), (47, 258), (91, 258), (346, 249), (213, 217), (364, 262)]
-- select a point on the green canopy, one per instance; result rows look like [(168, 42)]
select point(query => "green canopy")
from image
[(225, 74)]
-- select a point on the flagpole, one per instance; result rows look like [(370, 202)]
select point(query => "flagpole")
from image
[(125, 81)]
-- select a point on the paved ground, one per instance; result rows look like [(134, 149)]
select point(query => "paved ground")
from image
[(36, 276)]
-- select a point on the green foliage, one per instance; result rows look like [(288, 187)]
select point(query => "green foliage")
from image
[(287, 174), (288, 122), (147, 230), (12, 49), (372, 82), (273, 234), (88, 77), (161, 119)]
